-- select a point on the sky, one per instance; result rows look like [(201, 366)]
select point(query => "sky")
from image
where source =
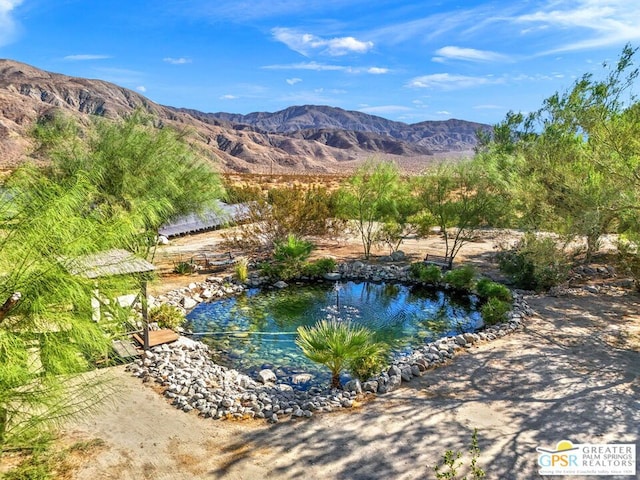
[(406, 60)]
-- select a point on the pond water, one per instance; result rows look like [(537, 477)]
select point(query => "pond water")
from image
[(257, 329)]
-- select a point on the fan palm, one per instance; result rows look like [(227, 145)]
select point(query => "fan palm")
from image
[(337, 344)]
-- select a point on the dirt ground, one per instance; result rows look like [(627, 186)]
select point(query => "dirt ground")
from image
[(572, 373)]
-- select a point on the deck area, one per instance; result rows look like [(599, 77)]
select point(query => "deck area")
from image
[(157, 337)]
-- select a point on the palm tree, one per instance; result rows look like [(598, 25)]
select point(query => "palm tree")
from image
[(337, 344)]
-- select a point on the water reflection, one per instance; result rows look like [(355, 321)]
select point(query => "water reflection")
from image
[(257, 329)]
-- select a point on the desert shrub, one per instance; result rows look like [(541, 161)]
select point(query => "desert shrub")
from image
[(166, 316), (319, 267), (535, 263), (270, 269), (425, 273), (461, 278), (242, 269), (292, 249), (288, 258), (365, 367), (447, 469), (184, 268), (495, 311), (489, 289)]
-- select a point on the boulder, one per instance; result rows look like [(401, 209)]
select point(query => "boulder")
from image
[(266, 376)]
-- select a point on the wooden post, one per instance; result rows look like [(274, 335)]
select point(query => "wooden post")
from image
[(145, 312)]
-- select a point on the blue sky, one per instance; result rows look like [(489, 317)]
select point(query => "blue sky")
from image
[(403, 60)]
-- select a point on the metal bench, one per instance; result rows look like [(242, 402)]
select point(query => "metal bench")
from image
[(444, 262), (212, 262)]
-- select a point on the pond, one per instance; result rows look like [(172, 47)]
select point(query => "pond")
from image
[(257, 329)]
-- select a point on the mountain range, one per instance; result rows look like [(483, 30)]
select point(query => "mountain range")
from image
[(298, 139)]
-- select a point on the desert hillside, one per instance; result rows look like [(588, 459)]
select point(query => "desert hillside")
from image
[(298, 139)]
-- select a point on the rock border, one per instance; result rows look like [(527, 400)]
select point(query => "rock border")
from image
[(192, 381)]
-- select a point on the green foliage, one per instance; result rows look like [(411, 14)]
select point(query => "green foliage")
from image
[(184, 268), (293, 249), (535, 263), (629, 259), (319, 267), (47, 335), (166, 316), (337, 344), (367, 366), (242, 269), (426, 273), (488, 289), (495, 311), (284, 211), (369, 197), (447, 469), (459, 199), (462, 278), (139, 171), (573, 166), (288, 258)]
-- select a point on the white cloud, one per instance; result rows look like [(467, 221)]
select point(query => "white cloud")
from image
[(468, 54), (599, 23), (443, 112), (141, 88), (307, 44), (228, 97), (377, 70), (447, 81), (85, 56), (293, 81), (8, 26), (176, 61)]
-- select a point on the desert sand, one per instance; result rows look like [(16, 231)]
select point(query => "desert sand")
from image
[(572, 373)]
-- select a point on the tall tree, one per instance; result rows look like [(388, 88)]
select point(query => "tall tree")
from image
[(369, 198), (47, 336), (151, 174), (459, 199), (577, 158)]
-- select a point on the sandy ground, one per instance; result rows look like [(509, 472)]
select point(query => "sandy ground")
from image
[(572, 373)]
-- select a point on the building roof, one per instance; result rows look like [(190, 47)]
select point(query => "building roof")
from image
[(222, 214), (108, 263)]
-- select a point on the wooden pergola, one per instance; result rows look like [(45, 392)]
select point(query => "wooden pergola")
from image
[(116, 262)]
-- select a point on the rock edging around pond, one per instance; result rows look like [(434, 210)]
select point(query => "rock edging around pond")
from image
[(192, 381)]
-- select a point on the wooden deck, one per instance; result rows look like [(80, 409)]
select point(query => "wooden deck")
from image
[(157, 337)]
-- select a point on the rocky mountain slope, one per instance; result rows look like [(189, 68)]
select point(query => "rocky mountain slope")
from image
[(297, 139)]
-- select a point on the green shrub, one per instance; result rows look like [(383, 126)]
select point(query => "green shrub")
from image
[(495, 311), (461, 278), (425, 273), (292, 249), (448, 468), (288, 258), (489, 289), (338, 344), (166, 316), (535, 263), (319, 267), (184, 268), (242, 269), (365, 367)]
